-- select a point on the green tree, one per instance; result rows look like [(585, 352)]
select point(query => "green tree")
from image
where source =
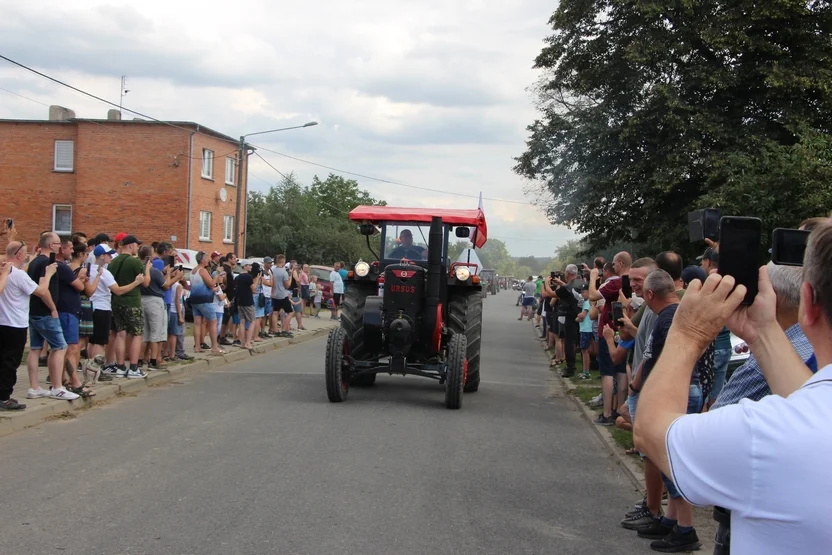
[(309, 224), (652, 109)]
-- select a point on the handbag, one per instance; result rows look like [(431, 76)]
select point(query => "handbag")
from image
[(261, 301)]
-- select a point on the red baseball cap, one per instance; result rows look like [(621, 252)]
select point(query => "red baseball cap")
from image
[(120, 236), (215, 253)]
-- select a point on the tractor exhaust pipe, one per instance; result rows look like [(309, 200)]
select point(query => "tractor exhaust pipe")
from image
[(434, 284)]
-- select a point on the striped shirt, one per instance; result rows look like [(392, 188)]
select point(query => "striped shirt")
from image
[(748, 381)]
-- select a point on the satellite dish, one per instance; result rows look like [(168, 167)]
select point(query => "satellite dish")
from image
[(223, 194)]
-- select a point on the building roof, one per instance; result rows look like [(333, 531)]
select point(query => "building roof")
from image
[(453, 216), (186, 124)]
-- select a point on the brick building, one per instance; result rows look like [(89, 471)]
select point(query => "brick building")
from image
[(172, 181)]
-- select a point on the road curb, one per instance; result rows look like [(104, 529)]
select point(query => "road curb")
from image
[(622, 460), (39, 411)]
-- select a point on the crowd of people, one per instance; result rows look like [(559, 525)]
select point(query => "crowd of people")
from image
[(623, 315), (100, 308)]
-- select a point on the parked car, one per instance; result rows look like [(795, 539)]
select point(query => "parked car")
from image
[(323, 280)]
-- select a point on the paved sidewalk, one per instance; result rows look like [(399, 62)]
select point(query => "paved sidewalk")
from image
[(39, 410)]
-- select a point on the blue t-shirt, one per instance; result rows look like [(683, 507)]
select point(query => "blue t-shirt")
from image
[(159, 264), (343, 273), (586, 323)]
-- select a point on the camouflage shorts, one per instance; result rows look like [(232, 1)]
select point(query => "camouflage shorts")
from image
[(128, 319)]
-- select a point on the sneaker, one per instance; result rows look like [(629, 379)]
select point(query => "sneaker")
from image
[(223, 341), (604, 420), (204, 346), (184, 357), (586, 376), (641, 519), (38, 393), (637, 507), (236, 343), (656, 531), (115, 371), (11, 405), (597, 401), (62, 394), (676, 542), (158, 365), (137, 374)]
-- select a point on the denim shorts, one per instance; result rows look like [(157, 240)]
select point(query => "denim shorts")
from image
[(174, 327), (204, 310), (296, 307), (695, 402), (48, 329), (721, 359), (605, 361), (70, 326), (586, 340)]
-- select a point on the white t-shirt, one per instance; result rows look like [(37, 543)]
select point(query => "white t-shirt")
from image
[(174, 289), (337, 282), (14, 300), (102, 298), (219, 304), (766, 462)]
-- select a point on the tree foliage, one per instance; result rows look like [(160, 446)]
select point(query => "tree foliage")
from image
[(652, 109), (308, 223)]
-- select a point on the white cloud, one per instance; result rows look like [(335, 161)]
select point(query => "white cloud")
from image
[(431, 93)]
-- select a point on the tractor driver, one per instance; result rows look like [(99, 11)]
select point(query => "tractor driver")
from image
[(407, 249)]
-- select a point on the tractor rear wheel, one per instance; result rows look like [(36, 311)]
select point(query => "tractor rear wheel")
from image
[(465, 317), (457, 367), (352, 322), (337, 366)]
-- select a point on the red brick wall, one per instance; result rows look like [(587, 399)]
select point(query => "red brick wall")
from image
[(204, 194), (127, 176), (28, 184), (129, 180)]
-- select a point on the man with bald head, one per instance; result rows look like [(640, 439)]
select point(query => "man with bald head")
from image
[(609, 291)]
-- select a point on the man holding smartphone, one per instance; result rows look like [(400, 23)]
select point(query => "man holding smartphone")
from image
[(570, 301)]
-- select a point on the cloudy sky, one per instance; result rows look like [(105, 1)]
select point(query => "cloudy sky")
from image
[(430, 93)]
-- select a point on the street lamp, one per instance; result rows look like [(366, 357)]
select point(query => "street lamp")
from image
[(244, 194)]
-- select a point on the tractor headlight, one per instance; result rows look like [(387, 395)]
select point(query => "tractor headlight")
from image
[(462, 273), (362, 269)]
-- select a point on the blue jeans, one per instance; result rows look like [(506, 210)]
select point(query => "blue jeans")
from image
[(721, 359), (695, 403), (46, 329)]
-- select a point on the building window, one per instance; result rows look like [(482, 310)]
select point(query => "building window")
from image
[(207, 163), (229, 171), (228, 235), (64, 151), (62, 219), (204, 226)]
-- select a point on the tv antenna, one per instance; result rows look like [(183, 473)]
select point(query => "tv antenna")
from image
[(122, 93)]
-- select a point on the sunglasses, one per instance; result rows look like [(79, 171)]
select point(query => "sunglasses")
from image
[(20, 248)]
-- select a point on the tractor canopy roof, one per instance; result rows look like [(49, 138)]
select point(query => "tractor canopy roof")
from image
[(453, 216)]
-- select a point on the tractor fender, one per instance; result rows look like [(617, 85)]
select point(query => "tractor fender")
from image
[(373, 324)]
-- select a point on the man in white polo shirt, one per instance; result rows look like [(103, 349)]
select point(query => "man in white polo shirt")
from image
[(17, 288), (764, 461)]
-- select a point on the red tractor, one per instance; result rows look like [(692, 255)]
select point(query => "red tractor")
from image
[(412, 311)]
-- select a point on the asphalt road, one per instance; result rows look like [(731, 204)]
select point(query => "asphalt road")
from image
[(252, 459)]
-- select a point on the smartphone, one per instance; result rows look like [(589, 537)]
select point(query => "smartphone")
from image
[(146, 259), (788, 246), (552, 275), (625, 286), (170, 260), (51, 257), (617, 313), (88, 266), (739, 252), (703, 224)]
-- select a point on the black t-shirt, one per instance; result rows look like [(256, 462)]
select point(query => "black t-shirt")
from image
[(245, 296), (36, 270), (293, 286), (69, 300), (230, 285), (568, 301), (655, 345)]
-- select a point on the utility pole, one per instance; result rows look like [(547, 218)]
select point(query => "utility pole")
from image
[(240, 196)]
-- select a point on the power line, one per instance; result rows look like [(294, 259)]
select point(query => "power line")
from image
[(387, 180), (270, 165), (26, 97)]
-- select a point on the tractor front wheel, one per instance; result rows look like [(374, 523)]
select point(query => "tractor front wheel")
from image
[(465, 318), (337, 366), (457, 368)]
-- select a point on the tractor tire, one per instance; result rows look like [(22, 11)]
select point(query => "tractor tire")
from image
[(465, 317), (337, 366), (352, 322), (457, 367)]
